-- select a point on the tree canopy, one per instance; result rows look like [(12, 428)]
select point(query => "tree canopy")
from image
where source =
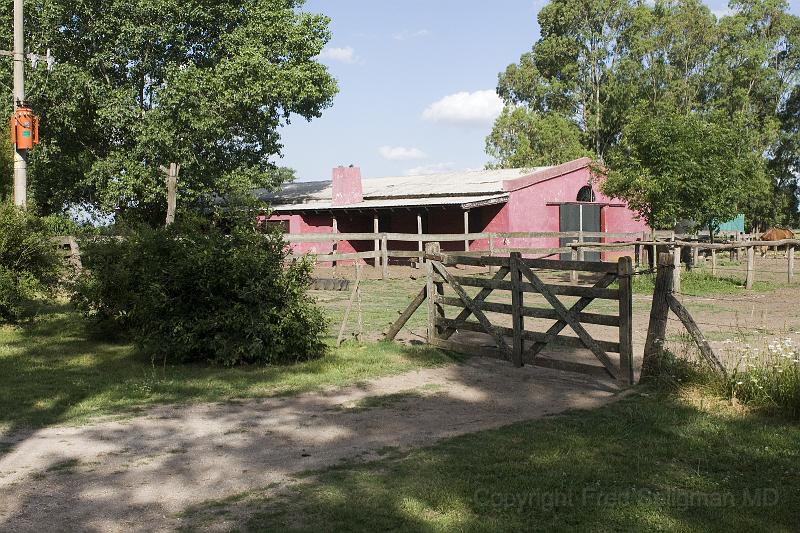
[(671, 166), (606, 67), (138, 84)]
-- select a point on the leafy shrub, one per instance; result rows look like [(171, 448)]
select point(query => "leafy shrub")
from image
[(193, 293), (30, 264)]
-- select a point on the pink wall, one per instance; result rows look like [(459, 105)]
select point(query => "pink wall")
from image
[(528, 208)]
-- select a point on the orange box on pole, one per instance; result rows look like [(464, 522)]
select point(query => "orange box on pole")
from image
[(24, 128)]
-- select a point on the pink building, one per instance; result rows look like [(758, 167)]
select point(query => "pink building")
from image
[(548, 199)]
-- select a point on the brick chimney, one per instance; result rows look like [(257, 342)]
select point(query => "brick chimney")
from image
[(347, 186)]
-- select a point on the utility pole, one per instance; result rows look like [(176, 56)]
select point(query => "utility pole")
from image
[(20, 161)]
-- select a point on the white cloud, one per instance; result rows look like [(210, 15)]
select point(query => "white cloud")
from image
[(343, 55), (401, 153), (465, 109), (405, 35), (722, 12), (434, 168)]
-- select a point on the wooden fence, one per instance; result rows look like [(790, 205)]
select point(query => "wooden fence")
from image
[(523, 278), (640, 246)]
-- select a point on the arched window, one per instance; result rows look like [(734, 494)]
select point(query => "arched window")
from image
[(586, 194)]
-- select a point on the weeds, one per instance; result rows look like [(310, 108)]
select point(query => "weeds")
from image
[(768, 379)]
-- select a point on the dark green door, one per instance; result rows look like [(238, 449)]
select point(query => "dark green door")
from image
[(580, 217)]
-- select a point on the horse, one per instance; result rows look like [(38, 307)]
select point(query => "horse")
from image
[(775, 234)]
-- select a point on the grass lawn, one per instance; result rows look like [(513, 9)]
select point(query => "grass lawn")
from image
[(54, 372), (653, 461), (700, 282)]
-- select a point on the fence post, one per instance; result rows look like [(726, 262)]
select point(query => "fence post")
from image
[(384, 256), (713, 262), (573, 276), (433, 292), (676, 272), (657, 329), (751, 256), (518, 320), (624, 273), (790, 266)]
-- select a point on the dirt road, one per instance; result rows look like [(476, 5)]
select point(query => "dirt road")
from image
[(138, 474)]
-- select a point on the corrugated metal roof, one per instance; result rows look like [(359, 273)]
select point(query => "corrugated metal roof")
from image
[(450, 188), (383, 203)]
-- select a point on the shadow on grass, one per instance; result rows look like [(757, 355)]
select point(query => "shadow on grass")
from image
[(645, 463), (54, 370)]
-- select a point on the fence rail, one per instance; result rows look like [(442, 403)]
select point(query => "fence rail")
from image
[(644, 249)]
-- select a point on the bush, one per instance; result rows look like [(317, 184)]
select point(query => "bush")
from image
[(193, 293), (30, 264)]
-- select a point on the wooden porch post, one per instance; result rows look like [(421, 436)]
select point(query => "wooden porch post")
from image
[(419, 242), (375, 230), (335, 243), (466, 229)]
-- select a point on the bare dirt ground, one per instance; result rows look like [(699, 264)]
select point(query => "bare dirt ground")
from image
[(139, 474)]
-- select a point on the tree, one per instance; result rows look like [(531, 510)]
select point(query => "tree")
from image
[(784, 166), (602, 64), (671, 165), (142, 83), (571, 69), (526, 138)]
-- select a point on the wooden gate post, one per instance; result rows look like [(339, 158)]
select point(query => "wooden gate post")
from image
[(517, 318), (657, 329), (624, 273), (434, 290), (384, 257), (676, 272)]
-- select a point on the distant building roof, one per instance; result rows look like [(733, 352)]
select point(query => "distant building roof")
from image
[(465, 188)]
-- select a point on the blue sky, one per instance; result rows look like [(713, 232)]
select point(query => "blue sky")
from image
[(416, 83)]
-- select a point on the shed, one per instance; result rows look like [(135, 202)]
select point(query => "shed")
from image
[(556, 198)]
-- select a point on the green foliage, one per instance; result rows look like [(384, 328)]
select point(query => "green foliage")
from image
[(139, 84), (525, 138), (602, 64), (6, 168), (29, 261), (670, 166), (192, 293)]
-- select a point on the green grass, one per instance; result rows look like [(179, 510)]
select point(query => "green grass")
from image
[(54, 372), (702, 283), (381, 303), (650, 462)]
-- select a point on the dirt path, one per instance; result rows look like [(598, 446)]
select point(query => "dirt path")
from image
[(137, 474)]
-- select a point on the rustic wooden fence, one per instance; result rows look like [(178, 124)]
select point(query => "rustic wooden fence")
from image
[(640, 246), (523, 278)]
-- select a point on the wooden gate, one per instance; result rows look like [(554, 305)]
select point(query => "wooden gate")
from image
[(519, 343)]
